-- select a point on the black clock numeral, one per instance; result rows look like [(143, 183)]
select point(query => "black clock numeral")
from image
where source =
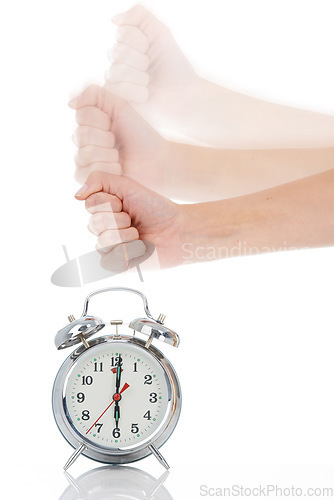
[(99, 426), (87, 380), (98, 367), (134, 428), (80, 397), (153, 397), (85, 415), (135, 367), (116, 432), (116, 361), (148, 379), (147, 415)]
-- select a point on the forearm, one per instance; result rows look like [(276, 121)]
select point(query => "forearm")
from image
[(204, 174), (222, 118), (291, 216)]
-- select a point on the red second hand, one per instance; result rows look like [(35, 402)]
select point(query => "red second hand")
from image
[(125, 386)]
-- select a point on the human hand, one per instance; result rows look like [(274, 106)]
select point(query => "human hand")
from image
[(123, 212), (149, 69), (111, 133)]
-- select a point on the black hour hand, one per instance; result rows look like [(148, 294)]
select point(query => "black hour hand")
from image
[(117, 413)]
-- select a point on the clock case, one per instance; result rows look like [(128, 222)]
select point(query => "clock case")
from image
[(78, 331)]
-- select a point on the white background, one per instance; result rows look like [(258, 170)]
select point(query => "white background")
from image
[(261, 326)]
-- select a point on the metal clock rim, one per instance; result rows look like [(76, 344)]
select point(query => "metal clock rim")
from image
[(93, 451)]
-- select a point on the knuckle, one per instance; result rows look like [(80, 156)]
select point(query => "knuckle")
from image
[(132, 234), (145, 79), (80, 175), (77, 161), (145, 62), (83, 115), (103, 239), (116, 155), (112, 139), (96, 220), (86, 154), (126, 219), (82, 135), (94, 200), (122, 71), (96, 223)]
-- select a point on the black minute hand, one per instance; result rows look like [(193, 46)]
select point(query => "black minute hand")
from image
[(118, 377)]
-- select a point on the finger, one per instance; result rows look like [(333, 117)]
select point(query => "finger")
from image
[(123, 73), (122, 53), (103, 221), (109, 238), (92, 154), (103, 202), (93, 117), (119, 257), (117, 185), (82, 173), (85, 135), (133, 37), (128, 91)]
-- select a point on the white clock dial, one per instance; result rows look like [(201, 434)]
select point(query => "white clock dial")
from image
[(114, 417)]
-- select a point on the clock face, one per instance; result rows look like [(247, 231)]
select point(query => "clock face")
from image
[(117, 395)]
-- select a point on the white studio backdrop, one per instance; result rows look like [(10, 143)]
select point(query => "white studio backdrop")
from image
[(265, 323)]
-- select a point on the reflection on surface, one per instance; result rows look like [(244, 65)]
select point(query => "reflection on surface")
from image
[(116, 482)]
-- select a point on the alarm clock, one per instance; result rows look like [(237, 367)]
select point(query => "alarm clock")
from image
[(116, 398)]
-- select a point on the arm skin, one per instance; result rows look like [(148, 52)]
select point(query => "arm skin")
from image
[(111, 136), (224, 118), (206, 174), (295, 215)]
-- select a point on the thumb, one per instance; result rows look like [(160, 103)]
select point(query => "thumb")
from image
[(97, 96), (117, 185), (134, 16)]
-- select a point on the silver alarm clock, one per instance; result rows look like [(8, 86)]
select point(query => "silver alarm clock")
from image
[(116, 399)]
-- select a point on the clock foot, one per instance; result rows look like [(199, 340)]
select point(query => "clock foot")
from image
[(74, 456), (158, 456)]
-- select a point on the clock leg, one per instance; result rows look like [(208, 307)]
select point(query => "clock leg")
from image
[(158, 456), (74, 456)]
